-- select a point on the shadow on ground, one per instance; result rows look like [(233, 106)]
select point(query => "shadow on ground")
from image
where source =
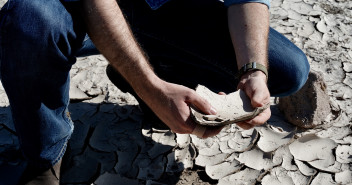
[(111, 144)]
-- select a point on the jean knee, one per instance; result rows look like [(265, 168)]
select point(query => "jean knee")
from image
[(41, 26), (302, 69), (289, 66), (298, 74)]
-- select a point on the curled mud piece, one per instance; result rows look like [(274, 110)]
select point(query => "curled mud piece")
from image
[(231, 108)]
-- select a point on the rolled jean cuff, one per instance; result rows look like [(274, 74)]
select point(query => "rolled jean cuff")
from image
[(60, 150)]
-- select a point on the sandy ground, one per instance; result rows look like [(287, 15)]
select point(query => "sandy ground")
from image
[(113, 144)]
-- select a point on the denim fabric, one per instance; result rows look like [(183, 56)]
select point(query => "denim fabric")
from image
[(39, 41)]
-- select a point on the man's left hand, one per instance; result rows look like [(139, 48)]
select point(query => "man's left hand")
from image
[(254, 84)]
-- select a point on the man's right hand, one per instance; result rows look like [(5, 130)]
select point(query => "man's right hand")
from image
[(171, 102)]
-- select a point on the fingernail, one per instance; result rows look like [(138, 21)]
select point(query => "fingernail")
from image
[(213, 111)]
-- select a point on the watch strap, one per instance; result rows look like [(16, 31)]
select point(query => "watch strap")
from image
[(252, 66)]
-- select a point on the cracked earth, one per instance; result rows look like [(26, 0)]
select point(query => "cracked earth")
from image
[(113, 144)]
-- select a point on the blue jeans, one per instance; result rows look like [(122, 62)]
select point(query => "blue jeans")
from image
[(40, 40)]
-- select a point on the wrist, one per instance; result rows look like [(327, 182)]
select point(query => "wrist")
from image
[(254, 74), (149, 87), (250, 67)]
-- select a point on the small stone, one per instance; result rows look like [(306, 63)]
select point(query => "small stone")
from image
[(309, 106)]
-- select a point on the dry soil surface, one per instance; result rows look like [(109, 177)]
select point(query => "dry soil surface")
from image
[(113, 144)]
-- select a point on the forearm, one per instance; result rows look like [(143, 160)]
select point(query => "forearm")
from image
[(249, 29), (112, 36)]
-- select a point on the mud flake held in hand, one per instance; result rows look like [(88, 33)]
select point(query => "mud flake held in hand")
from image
[(231, 108)]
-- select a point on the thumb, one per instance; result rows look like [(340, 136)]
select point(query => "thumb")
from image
[(201, 104)]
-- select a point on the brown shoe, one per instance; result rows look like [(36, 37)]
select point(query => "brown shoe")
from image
[(35, 176)]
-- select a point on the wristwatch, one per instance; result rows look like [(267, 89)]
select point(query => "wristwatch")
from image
[(252, 66)]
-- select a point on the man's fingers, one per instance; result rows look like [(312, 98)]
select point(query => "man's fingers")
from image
[(201, 104), (260, 118), (199, 131)]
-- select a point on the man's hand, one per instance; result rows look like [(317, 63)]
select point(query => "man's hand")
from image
[(171, 102), (254, 84)]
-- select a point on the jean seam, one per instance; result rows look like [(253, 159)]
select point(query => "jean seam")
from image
[(63, 149)]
